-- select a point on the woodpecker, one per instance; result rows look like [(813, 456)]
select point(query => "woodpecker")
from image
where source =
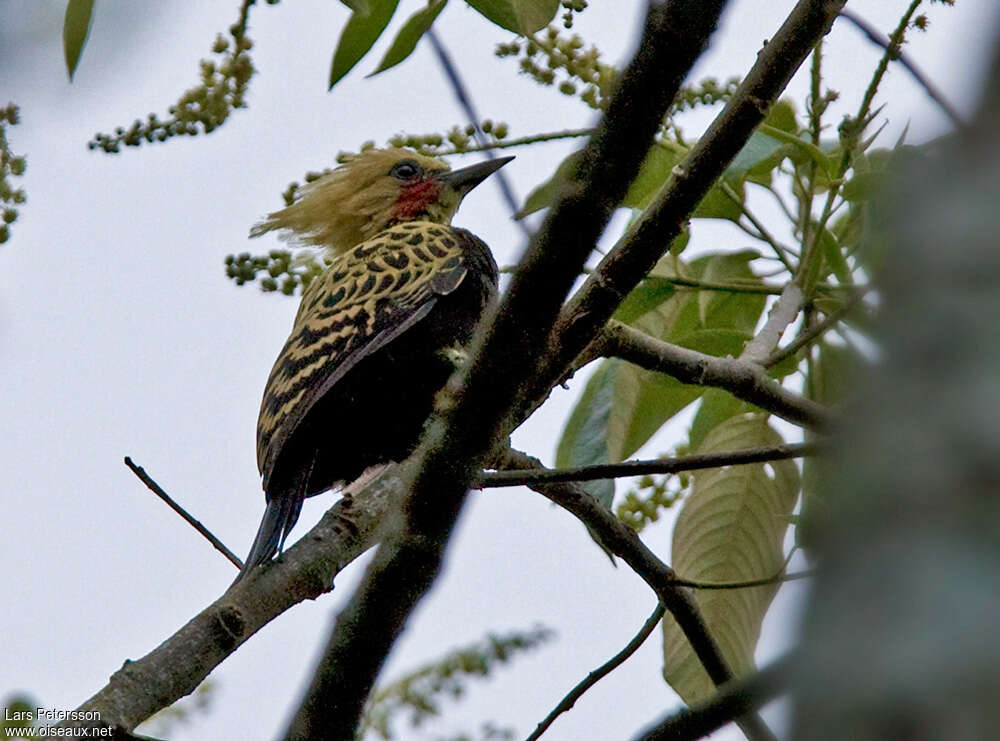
[(375, 333)]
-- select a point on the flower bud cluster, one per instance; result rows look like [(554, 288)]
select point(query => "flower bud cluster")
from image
[(570, 8), (281, 270), (549, 56), (201, 109), (11, 165)]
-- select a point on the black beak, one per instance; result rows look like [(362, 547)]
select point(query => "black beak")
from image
[(469, 177)]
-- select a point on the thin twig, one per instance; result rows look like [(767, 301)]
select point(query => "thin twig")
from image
[(813, 332), (900, 56), (600, 672), (762, 233), (520, 142), (465, 101), (779, 578), (140, 472), (496, 479), (731, 287)]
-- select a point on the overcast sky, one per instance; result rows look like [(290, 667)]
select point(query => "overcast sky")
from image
[(120, 335)]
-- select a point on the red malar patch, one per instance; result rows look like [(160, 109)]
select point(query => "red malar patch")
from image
[(415, 198)]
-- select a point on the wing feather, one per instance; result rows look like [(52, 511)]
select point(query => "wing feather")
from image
[(366, 298)]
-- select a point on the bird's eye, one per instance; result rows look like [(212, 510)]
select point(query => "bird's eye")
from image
[(406, 170)]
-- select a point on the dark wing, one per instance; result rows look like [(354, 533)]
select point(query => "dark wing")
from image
[(365, 299)]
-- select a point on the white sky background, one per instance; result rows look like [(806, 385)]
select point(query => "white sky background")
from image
[(120, 335)]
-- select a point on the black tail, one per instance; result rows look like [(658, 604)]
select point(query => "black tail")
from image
[(279, 518)]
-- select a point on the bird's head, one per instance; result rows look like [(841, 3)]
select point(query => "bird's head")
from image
[(372, 191)]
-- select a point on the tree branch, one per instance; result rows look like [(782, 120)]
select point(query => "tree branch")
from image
[(675, 34), (177, 666), (473, 413), (731, 701), (624, 542), (746, 381), (636, 253), (599, 673), (528, 477)]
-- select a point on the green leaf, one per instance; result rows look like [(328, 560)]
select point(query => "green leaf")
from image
[(520, 16), (725, 310), (500, 12), (584, 439), (832, 373), (546, 194), (782, 116), (408, 36), (865, 186), (534, 15), (715, 408), (759, 149), (831, 376), (643, 401), (834, 256), (655, 171), (358, 36), (644, 298), (358, 6), (730, 529), (806, 148), (717, 204), (76, 28)]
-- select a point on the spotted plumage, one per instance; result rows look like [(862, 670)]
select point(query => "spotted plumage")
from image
[(371, 342)]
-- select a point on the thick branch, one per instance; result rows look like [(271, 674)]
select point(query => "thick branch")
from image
[(624, 542), (637, 252), (746, 381), (674, 36), (179, 664), (731, 701), (474, 409), (530, 477)]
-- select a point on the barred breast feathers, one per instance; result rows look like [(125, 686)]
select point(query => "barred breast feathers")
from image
[(365, 299)]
